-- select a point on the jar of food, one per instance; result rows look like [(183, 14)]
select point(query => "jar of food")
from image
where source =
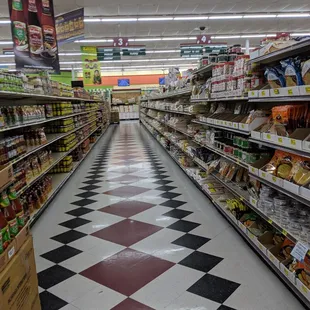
[(213, 58), (222, 57)]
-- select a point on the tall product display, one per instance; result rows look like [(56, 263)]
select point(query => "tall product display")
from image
[(34, 35)]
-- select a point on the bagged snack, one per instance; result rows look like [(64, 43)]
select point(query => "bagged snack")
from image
[(301, 172), (305, 72), (287, 248), (292, 72), (285, 165), (275, 78), (231, 173), (224, 168)]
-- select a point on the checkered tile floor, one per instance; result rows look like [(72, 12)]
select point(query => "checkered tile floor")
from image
[(130, 231)]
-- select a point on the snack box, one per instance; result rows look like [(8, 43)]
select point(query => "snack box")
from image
[(255, 168), (256, 122), (265, 242), (6, 175), (287, 273)]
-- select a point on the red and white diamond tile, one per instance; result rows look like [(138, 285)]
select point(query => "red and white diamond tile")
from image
[(129, 231)]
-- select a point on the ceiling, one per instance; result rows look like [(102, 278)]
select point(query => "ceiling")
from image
[(170, 30)]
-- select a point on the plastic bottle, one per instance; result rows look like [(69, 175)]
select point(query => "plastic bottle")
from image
[(4, 233), (9, 214), (18, 207)]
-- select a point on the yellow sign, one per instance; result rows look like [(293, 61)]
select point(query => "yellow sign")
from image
[(91, 66)]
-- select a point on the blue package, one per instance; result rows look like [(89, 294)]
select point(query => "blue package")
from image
[(292, 72), (275, 77)]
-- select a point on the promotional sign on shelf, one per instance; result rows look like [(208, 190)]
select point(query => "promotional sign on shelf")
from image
[(70, 26), (34, 35), (91, 65)]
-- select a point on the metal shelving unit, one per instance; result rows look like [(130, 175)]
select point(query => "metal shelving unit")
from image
[(181, 92), (195, 100), (280, 99), (169, 111)]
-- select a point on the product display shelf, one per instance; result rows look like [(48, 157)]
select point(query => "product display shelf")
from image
[(180, 92), (281, 148), (47, 120), (165, 123), (280, 99), (222, 154), (299, 198), (58, 180), (301, 47), (248, 237), (57, 157), (169, 111), (247, 133), (205, 69), (14, 95), (195, 100), (51, 138)]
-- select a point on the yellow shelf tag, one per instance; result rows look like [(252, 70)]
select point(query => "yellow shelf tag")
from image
[(270, 221), (276, 91), (284, 232), (290, 92)]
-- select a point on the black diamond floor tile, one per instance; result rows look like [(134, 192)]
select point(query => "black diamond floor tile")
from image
[(191, 241), (165, 188), (161, 177), (79, 211), (92, 182), (68, 236), (184, 226), (201, 261), (74, 223), (173, 203), (51, 302), (83, 202), (162, 182), (177, 214), (90, 187), (61, 254), (169, 195), (54, 275), (87, 194), (214, 288), (93, 177), (222, 307)]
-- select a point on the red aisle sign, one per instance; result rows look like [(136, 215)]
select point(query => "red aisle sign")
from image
[(203, 39), (120, 42)]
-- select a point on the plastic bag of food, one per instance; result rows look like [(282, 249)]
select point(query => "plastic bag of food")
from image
[(305, 72), (292, 72), (275, 78), (301, 172)]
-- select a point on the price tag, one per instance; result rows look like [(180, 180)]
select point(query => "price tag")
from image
[(308, 89), (293, 142), (242, 126), (225, 123), (263, 93), (251, 236), (284, 232), (271, 257), (290, 92), (300, 251), (11, 252), (276, 91), (268, 136), (253, 169), (235, 125), (212, 190), (264, 175), (270, 221), (261, 246), (241, 199), (286, 272), (305, 290), (252, 93), (274, 179), (253, 202)]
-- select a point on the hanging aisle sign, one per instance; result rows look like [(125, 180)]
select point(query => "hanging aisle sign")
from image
[(191, 51), (138, 50), (70, 26), (108, 53), (34, 35), (91, 65)]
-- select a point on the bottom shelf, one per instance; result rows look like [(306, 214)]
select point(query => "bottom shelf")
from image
[(248, 238), (58, 180)]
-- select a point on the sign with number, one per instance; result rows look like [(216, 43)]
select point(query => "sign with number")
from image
[(120, 42), (203, 39)]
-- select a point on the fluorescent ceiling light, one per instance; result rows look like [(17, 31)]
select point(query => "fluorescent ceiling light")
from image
[(162, 51), (271, 35), (7, 21), (293, 15), (119, 19), (191, 18), (154, 18), (5, 42), (254, 36), (7, 64), (145, 39), (94, 41), (70, 54), (260, 16), (6, 56), (92, 20), (226, 37), (300, 34), (175, 38), (226, 17)]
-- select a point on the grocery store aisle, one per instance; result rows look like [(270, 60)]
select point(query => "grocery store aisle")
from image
[(130, 231)]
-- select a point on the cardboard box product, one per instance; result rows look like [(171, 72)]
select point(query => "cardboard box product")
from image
[(19, 282), (6, 175)]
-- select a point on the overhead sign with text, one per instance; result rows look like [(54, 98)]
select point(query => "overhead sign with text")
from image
[(108, 53), (34, 35), (70, 26)]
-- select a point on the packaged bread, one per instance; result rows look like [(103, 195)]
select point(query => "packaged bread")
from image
[(305, 72), (292, 72)]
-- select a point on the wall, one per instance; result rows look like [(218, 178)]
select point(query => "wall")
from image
[(63, 77)]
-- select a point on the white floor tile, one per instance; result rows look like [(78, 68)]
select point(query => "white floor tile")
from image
[(73, 288), (91, 228), (69, 307), (102, 218), (101, 298), (105, 249), (42, 263)]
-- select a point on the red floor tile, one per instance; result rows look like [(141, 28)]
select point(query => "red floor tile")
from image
[(127, 232), (130, 304), (127, 271), (127, 208), (127, 191)]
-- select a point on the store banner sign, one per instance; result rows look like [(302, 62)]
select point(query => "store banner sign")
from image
[(91, 65), (70, 26), (134, 51), (34, 35), (191, 51), (108, 53)]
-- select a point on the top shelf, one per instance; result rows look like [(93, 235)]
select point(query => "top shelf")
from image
[(14, 95), (301, 47), (177, 93), (205, 69)]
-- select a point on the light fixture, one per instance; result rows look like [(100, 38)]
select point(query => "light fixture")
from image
[(226, 17), (154, 18), (5, 21), (260, 16), (7, 64), (191, 18), (6, 42), (93, 41), (92, 20), (300, 34), (6, 56), (144, 39), (119, 19), (176, 38), (70, 54), (254, 36), (226, 37), (293, 15)]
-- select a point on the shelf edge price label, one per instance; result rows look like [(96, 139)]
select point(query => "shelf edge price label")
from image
[(276, 91), (293, 142), (290, 92), (308, 89), (270, 221)]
